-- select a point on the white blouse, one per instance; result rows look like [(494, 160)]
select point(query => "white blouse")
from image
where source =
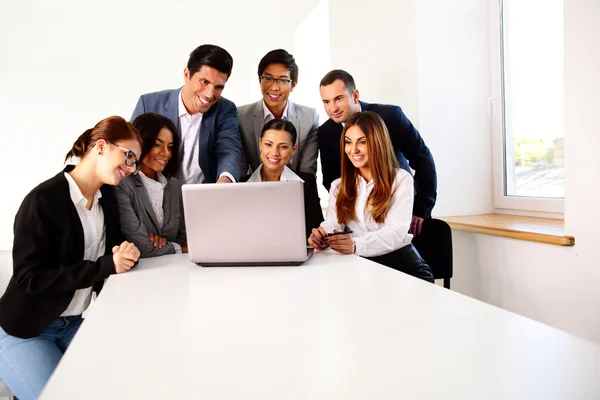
[(94, 239), (373, 239), (286, 175), (156, 193)]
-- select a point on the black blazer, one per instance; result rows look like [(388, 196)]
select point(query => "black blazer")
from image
[(48, 263), (313, 214), (408, 145)]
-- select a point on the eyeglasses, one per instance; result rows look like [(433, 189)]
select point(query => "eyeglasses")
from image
[(269, 81), (130, 158)]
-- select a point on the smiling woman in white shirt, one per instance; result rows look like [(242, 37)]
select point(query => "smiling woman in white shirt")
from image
[(277, 144), (373, 199), (67, 241), (150, 202)]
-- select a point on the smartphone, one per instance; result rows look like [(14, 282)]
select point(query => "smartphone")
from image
[(340, 233)]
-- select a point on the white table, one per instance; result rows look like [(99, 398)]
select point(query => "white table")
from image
[(338, 327)]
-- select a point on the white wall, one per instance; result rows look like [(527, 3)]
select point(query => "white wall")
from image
[(67, 64), (453, 50), (555, 285), (430, 57), (375, 41)]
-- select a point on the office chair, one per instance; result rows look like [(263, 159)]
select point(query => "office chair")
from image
[(435, 246)]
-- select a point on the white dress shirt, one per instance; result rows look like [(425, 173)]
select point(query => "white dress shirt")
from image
[(94, 235), (373, 239), (189, 148), (269, 115), (286, 175), (359, 110), (156, 193)]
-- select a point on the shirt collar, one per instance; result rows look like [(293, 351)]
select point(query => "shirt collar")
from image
[(159, 175), (286, 175), (267, 112), (359, 110), (289, 175), (364, 182), (181, 108), (76, 195)]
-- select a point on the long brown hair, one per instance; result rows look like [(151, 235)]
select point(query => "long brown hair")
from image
[(110, 129), (382, 163)]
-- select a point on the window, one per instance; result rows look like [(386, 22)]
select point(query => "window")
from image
[(527, 105)]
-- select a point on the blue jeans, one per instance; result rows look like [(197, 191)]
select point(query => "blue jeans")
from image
[(26, 364)]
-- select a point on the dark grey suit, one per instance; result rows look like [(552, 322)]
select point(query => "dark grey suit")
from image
[(138, 218), (305, 120)]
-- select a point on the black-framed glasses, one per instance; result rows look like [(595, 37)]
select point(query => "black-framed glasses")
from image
[(130, 158), (268, 80)]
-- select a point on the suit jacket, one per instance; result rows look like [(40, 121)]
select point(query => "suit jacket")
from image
[(313, 214), (306, 122), (220, 142), (138, 218), (48, 264), (407, 143)]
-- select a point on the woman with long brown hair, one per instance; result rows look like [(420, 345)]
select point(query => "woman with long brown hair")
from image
[(372, 201), (67, 241)]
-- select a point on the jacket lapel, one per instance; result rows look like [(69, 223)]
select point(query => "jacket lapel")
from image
[(206, 131), (292, 116), (72, 211), (258, 123), (167, 206), (172, 109), (142, 194)]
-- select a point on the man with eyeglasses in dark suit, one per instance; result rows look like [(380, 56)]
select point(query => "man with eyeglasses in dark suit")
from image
[(277, 76)]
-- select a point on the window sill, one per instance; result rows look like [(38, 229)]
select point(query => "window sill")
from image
[(542, 230)]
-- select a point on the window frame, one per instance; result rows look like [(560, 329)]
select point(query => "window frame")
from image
[(503, 204)]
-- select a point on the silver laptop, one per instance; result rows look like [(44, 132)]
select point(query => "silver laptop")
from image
[(245, 224)]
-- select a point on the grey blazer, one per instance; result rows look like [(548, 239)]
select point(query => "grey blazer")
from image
[(138, 218), (305, 120)]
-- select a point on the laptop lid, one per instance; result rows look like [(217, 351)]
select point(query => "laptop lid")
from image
[(257, 222)]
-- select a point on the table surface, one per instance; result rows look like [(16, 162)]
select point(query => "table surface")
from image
[(338, 327)]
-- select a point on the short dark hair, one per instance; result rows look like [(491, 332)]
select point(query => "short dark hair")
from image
[(211, 56), (279, 56), (281, 125), (343, 76), (149, 125)]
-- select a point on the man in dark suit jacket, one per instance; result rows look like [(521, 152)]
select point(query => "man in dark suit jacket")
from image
[(211, 146), (340, 99)]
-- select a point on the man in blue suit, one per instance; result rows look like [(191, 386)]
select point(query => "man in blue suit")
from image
[(211, 146), (340, 99)]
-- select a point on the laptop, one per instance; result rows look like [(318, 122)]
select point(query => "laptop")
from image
[(245, 224)]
